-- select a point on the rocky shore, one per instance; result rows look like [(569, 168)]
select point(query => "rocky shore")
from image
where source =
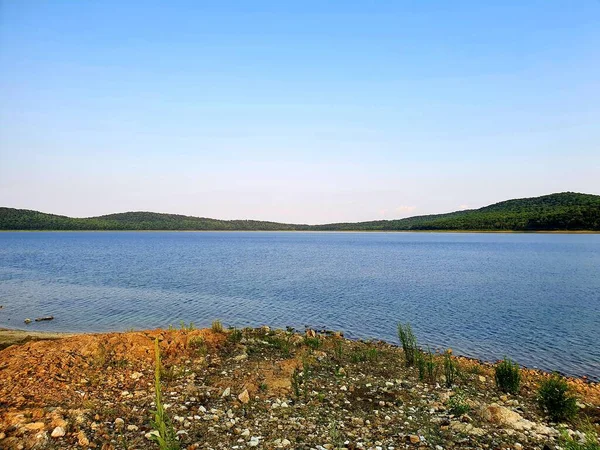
[(262, 388)]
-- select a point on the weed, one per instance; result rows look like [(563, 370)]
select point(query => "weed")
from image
[(263, 387), (234, 336), (431, 366), (458, 404), (338, 349), (450, 368), (588, 442), (280, 343), (198, 345), (363, 355), (508, 376), (409, 343), (335, 434), (165, 434), (217, 326), (554, 397), (314, 343), (296, 382), (420, 362)]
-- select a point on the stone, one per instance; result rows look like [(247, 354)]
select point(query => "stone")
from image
[(311, 333), (244, 397), (151, 434), (136, 375), (285, 443), (132, 427), (82, 439), (119, 422), (58, 432), (246, 432), (482, 378), (35, 426), (226, 392), (414, 439), (254, 441), (27, 321)]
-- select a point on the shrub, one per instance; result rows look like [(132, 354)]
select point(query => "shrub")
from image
[(555, 399), (409, 343), (458, 404), (164, 434), (217, 326), (508, 376), (450, 368), (430, 367)]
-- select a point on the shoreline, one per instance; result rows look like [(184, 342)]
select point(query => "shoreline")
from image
[(264, 388), (19, 336)]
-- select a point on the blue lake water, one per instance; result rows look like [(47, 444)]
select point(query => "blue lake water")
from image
[(532, 297)]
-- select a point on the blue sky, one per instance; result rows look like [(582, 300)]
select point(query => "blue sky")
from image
[(307, 112)]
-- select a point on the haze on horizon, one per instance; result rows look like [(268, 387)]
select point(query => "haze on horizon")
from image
[(298, 113)]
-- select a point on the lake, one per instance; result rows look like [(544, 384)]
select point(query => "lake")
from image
[(532, 297)]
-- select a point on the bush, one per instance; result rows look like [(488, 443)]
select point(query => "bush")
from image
[(508, 376), (409, 343), (555, 399)]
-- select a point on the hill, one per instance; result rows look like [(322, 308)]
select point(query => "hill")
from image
[(567, 211)]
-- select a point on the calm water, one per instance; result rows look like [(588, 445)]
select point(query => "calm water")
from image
[(535, 298)]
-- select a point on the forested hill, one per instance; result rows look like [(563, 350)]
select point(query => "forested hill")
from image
[(556, 212)]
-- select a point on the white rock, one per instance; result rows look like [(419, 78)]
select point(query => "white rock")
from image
[(58, 432), (254, 441), (226, 392)]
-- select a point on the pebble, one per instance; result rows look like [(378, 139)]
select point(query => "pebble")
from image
[(58, 432)]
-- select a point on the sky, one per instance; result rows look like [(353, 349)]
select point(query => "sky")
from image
[(302, 112)]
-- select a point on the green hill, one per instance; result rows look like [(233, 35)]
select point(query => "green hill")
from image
[(567, 211)]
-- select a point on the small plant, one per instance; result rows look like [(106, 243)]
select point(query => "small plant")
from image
[(554, 397), (450, 368), (198, 344), (430, 366), (314, 343), (335, 435), (263, 387), (409, 343), (508, 376), (164, 434), (338, 349), (458, 404), (217, 326), (235, 335), (420, 362), (280, 343), (296, 382), (588, 442)]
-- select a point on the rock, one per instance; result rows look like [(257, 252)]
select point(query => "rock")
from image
[(240, 357), (132, 427), (254, 441), (226, 392), (58, 432), (245, 433), (311, 333), (482, 378), (27, 321), (35, 426), (82, 439), (136, 375), (119, 422), (414, 439), (285, 443), (244, 397), (2, 435), (151, 434)]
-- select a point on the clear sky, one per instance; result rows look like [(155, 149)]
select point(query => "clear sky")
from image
[(306, 112)]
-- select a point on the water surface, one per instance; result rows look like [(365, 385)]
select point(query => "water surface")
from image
[(532, 297)]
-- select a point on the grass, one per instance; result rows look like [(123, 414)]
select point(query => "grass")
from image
[(314, 343), (555, 399), (431, 367), (234, 336), (589, 442), (450, 369), (457, 404), (280, 343), (508, 376), (198, 345), (165, 435), (364, 355), (409, 343), (217, 326)]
